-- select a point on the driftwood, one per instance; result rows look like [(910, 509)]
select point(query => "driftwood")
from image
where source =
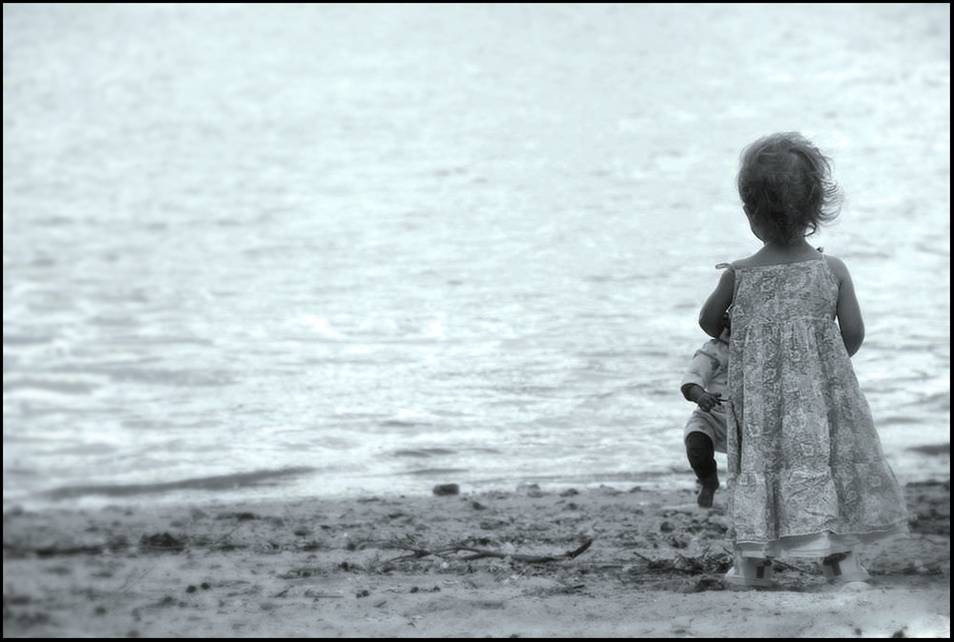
[(702, 564), (778, 562), (480, 553), (17, 551)]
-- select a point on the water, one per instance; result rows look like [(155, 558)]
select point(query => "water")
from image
[(287, 250)]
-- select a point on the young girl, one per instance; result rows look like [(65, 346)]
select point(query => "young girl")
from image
[(806, 473)]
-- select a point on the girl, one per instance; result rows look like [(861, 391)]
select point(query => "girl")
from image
[(806, 473)]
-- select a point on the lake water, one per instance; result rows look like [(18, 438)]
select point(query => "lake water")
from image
[(289, 250)]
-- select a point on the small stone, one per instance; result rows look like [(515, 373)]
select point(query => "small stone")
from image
[(443, 490), (190, 589), (666, 527), (677, 542), (530, 490), (363, 593), (477, 506)]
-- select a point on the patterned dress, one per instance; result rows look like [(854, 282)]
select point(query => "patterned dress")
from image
[(807, 476)]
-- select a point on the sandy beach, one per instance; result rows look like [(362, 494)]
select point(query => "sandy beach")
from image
[(647, 563)]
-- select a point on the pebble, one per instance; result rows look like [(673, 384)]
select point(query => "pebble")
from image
[(446, 489), (530, 490)]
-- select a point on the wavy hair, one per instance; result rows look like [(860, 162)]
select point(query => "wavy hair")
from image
[(785, 183)]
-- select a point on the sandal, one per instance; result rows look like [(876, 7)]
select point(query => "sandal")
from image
[(844, 568), (750, 572)]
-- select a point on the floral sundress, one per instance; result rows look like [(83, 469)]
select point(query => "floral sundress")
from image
[(806, 472)]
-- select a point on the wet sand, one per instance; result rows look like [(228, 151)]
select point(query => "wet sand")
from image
[(327, 568)]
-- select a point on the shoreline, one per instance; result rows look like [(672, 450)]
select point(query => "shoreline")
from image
[(361, 567), (268, 485)]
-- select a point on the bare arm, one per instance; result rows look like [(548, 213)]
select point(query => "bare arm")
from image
[(848, 311), (713, 310)]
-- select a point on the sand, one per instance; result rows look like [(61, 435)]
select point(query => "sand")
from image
[(321, 568)]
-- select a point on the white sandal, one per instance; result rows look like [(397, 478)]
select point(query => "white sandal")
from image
[(844, 568), (751, 572)]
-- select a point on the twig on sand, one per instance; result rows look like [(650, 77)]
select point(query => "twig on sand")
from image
[(643, 557), (778, 562), (218, 542), (480, 553), (704, 563), (138, 579)]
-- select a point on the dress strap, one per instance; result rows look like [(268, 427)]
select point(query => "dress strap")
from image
[(722, 266)]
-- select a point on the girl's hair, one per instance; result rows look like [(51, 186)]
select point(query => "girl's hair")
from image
[(786, 186)]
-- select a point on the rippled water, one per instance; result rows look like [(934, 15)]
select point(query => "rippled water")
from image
[(406, 245)]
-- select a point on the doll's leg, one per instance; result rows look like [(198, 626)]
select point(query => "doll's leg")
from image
[(701, 454)]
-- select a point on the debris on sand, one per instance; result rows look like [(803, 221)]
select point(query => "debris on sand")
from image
[(162, 542)]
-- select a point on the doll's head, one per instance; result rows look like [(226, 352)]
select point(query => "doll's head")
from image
[(786, 188)]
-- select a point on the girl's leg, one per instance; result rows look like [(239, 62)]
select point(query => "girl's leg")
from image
[(701, 454)]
